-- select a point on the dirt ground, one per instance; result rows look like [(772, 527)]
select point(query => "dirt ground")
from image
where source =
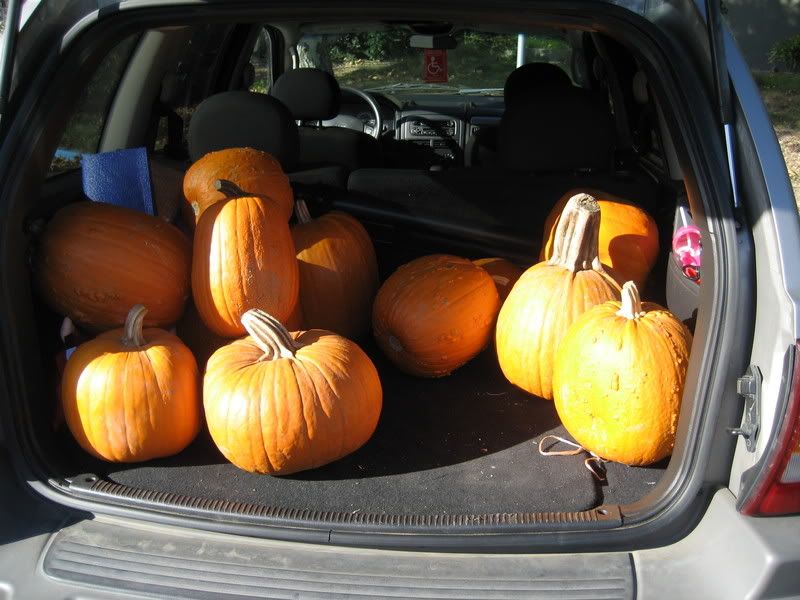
[(781, 93)]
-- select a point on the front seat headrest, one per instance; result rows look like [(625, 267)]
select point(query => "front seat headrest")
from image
[(242, 119), (534, 77), (567, 129), (310, 94)]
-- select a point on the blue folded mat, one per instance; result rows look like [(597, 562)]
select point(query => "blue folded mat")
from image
[(121, 177)]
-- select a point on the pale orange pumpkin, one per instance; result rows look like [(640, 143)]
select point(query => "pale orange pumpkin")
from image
[(257, 173), (628, 240), (503, 272), (279, 403), (550, 296), (131, 394), (618, 379), (243, 258), (434, 314), (95, 260), (338, 272)]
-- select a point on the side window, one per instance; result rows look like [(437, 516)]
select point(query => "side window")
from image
[(261, 59), (85, 127)]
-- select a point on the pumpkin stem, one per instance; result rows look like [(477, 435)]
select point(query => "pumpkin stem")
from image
[(575, 246), (631, 307), (301, 211), (230, 189), (134, 323), (268, 334)]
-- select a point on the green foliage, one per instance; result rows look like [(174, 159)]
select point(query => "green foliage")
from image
[(787, 53), (373, 45)]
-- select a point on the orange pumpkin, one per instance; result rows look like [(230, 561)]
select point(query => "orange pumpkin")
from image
[(434, 314), (96, 260), (279, 403), (503, 272), (338, 272), (618, 379), (243, 258), (628, 240), (550, 296), (256, 172), (131, 394)]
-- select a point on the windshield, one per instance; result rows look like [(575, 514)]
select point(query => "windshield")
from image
[(385, 60)]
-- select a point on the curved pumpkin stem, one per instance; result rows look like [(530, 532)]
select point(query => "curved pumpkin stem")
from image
[(301, 210), (230, 189), (134, 323), (631, 307), (268, 334), (575, 246)]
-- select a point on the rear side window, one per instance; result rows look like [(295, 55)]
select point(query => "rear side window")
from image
[(85, 127), (261, 59)]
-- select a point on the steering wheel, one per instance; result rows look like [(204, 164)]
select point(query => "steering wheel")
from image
[(376, 111)]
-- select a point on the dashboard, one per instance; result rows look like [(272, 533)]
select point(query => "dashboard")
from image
[(423, 129)]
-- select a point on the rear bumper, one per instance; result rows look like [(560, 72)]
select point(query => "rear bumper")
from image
[(725, 556)]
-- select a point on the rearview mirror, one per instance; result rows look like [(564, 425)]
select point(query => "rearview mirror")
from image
[(437, 41)]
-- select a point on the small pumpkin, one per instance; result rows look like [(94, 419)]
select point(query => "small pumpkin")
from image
[(434, 314), (503, 272), (243, 258), (338, 271), (618, 379), (279, 402), (94, 261), (628, 240), (258, 172), (131, 394), (550, 296)]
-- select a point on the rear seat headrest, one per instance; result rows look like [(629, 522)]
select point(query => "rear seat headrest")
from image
[(564, 129), (244, 119), (534, 77), (310, 94)]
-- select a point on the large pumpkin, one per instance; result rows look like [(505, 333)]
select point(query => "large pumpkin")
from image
[(96, 260), (550, 296), (503, 272), (434, 314), (243, 258), (279, 403), (256, 172), (338, 272), (628, 240), (131, 394), (618, 379)]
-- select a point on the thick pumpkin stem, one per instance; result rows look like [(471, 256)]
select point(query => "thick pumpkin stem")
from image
[(230, 189), (134, 324), (575, 246), (631, 307), (301, 210), (268, 334)]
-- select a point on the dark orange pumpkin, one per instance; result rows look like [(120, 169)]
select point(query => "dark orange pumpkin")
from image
[(627, 242), (279, 403), (96, 260), (338, 272), (434, 314), (257, 173), (243, 258), (131, 394)]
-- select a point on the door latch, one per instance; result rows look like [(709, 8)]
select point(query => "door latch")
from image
[(748, 386)]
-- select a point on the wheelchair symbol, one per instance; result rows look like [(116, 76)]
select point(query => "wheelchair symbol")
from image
[(434, 68)]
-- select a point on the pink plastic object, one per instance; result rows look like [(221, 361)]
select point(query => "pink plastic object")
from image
[(688, 249)]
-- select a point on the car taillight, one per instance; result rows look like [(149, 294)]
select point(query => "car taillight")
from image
[(778, 490)]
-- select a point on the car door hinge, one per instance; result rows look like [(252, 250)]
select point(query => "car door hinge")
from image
[(748, 386)]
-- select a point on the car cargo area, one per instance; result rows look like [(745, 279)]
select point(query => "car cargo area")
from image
[(459, 173), (465, 445)]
